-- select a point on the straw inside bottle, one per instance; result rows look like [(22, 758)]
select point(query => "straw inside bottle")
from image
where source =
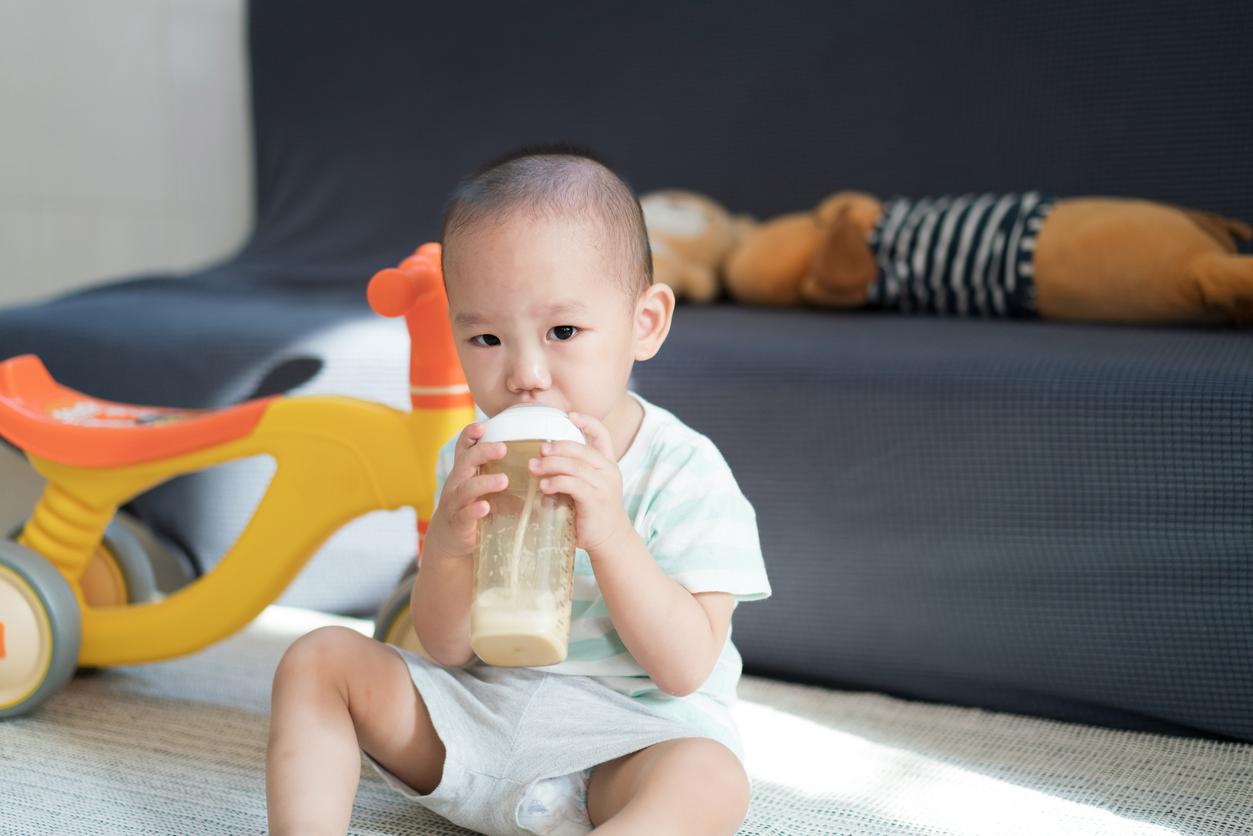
[(521, 532)]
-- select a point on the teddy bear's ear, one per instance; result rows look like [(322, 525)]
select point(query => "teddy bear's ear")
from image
[(843, 268), (743, 224), (863, 209)]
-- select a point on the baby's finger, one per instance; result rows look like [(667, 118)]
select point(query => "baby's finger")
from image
[(465, 519), (574, 450), (488, 451), (596, 433), (580, 490), (470, 435), (555, 465), (469, 490), (476, 456)]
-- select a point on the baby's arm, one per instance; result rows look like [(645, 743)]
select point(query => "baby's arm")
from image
[(440, 603), (675, 635)]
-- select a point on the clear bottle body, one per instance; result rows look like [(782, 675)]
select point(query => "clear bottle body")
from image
[(523, 568)]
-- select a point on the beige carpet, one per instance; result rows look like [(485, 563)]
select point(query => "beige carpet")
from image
[(179, 747)]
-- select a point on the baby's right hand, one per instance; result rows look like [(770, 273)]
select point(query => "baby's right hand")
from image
[(454, 525)]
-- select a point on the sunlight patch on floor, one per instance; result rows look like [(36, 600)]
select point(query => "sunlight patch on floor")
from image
[(293, 622), (815, 760)]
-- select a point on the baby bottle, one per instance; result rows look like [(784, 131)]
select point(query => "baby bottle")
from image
[(524, 560)]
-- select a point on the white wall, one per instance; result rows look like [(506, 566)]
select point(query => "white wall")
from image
[(125, 142)]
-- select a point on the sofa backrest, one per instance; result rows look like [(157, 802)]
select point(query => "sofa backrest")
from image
[(366, 113)]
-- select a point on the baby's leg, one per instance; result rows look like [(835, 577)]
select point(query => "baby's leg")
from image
[(690, 785), (335, 690)]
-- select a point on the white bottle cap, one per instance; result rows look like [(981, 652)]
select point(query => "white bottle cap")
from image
[(532, 421)]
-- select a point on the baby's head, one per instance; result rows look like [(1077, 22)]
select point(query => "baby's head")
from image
[(549, 280)]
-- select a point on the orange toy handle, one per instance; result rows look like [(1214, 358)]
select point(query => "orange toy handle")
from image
[(437, 387), (415, 289), (394, 290)]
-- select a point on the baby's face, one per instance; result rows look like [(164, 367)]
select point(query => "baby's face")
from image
[(537, 317)]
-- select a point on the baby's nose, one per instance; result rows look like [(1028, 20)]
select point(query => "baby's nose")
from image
[(528, 373)]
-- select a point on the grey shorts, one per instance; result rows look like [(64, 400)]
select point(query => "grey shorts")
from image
[(521, 744)]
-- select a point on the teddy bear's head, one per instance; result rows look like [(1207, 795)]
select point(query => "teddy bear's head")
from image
[(690, 236)]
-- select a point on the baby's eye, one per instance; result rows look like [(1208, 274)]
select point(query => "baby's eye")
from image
[(563, 333), (485, 337)]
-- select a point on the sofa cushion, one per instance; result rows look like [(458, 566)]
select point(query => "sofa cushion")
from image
[(1027, 516)]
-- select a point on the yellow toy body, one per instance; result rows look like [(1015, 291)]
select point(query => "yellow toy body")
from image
[(336, 458)]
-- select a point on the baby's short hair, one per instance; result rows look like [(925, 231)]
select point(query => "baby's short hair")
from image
[(557, 181)]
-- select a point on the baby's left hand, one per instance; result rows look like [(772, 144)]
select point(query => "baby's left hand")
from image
[(590, 475)]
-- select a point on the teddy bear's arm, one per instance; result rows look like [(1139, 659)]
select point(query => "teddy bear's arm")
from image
[(1220, 228), (843, 268)]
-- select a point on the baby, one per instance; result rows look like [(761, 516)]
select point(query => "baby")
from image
[(551, 298)]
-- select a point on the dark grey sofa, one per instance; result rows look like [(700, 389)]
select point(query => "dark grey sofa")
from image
[(1036, 517)]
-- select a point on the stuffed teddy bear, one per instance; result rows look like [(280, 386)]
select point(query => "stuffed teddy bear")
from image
[(1098, 259), (690, 236)]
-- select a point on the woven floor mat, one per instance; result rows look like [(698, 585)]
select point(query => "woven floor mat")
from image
[(179, 747)]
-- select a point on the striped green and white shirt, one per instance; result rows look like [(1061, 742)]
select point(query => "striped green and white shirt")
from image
[(699, 527)]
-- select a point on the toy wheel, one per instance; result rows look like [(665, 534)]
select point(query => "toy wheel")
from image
[(119, 572), (139, 582), (172, 565), (40, 630), (393, 625), (406, 577)]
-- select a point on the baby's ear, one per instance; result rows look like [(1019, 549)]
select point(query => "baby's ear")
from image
[(653, 314)]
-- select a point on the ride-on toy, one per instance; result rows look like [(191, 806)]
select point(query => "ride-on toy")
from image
[(75, 589)]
